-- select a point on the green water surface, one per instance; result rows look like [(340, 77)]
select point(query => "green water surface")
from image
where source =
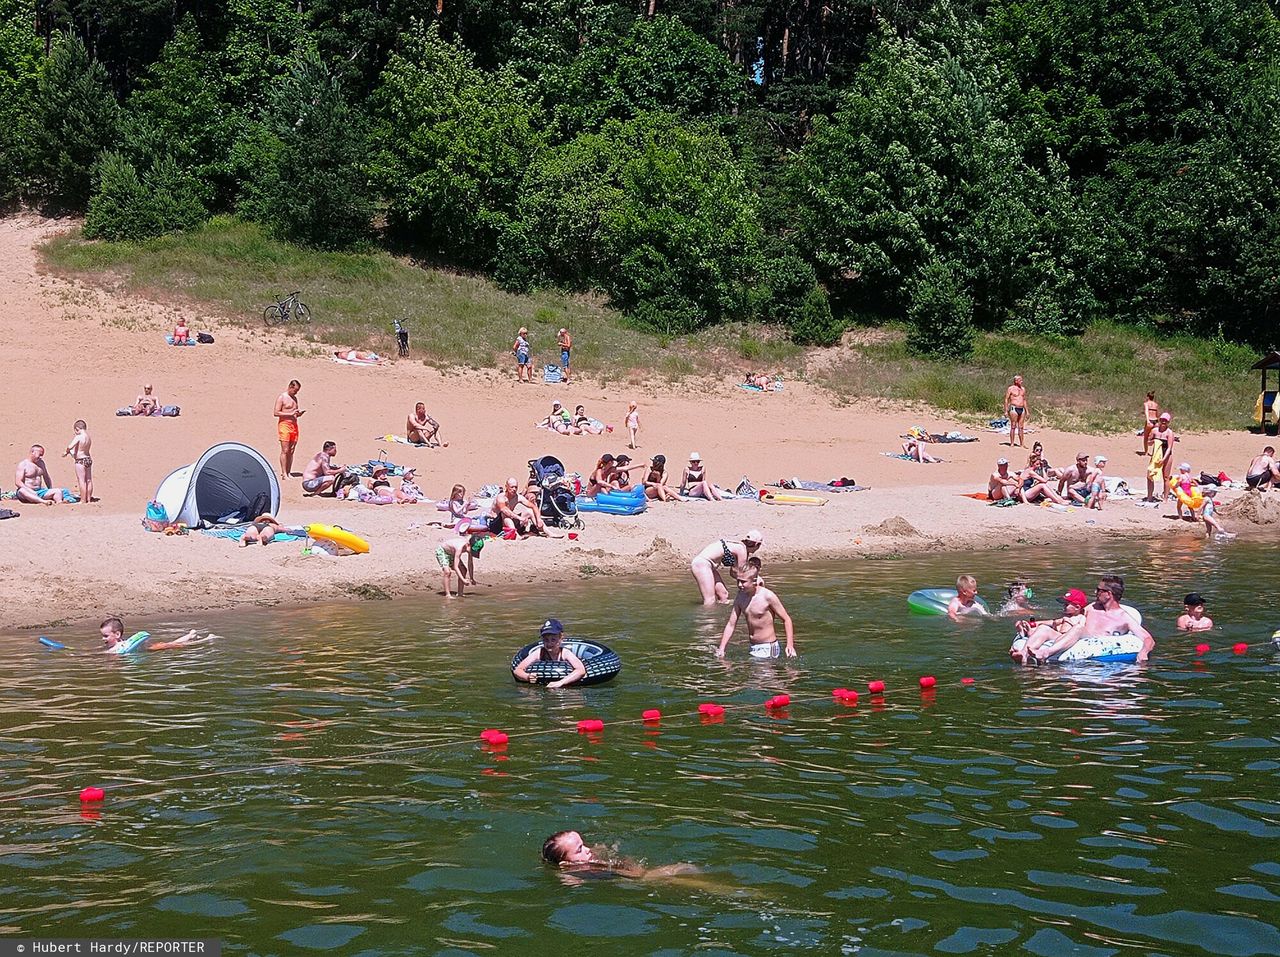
[(314, 779)]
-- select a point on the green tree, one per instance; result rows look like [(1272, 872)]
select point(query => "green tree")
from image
[(73, 117), (19, 75), (317, 191), (126, 206), (450, 146)]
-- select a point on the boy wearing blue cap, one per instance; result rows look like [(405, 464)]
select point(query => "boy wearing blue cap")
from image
[(551, 649)]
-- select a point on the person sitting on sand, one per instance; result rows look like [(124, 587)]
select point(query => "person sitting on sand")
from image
[(559, 420), (320, 473), (1043, 467), (601, 479), (511, 510), (706, 564), (760, 606), (1263, 470), (1074, 482), (622, 469), (1103, 617), (147, 404), (914, 450), (262, 530), (1038, 633), (1193, 617), (1034, 486), (408, 493), (552, 649), (965, 604), (32, 480), (694, 482), (181, 333), (585, 424), (566, 851), (421, 429), (655, 483), (1001, 485), (112, 631)]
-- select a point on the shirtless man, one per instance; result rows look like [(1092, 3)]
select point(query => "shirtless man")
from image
[(729, 554), (79, 452), (1160, 468), (1263, 470), (512, 510), (320, 473), (1001, 484), (32, 480), (760, 606), (1150, 415), (147, 403), (1015, 410), (1076, 480), (287, 414), (112, 631), (421, 428), (1103, 617)]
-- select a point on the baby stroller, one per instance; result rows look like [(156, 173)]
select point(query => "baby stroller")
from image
[(556, 501)]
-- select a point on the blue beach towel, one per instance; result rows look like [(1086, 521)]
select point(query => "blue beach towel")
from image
[(237, 533)]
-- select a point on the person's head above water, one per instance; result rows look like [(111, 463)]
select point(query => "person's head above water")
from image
[(566, 847), (747, 575), (1111, 586), (112, 630), (551, 629)]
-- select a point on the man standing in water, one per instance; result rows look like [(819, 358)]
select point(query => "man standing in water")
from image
[(1103, 617), (287, 414), (760, 606), (1015, 410)]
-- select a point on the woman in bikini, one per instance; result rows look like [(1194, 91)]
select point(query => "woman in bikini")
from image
[(261, 530), (585, 423), (602, 478), (721, 553), (655, 483), (1034, 485), (1150, 415), (79, 451), (694, 480)]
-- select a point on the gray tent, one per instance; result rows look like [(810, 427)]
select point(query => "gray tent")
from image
[(230, 484)]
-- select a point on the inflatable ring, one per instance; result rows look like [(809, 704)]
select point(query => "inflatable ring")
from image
[(934, 601), (339, 536), (1104, 648), (601, 662)]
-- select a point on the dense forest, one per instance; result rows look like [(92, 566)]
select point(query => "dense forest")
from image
[(1024, 164)]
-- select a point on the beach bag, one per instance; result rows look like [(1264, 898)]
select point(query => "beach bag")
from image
[(552, 375), (745, 489), (205, 338), (156, 518), (170, 410), (1207, 479)]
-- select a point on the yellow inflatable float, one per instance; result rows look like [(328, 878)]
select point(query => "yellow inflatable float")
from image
[(339, 536), (785, 498)]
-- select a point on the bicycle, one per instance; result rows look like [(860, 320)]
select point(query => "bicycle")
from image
[(291, 309)]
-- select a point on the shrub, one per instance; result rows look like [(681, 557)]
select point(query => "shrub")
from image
[(126, 206), (940, 313)]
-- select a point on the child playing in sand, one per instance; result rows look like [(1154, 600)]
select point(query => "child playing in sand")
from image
[(1193, 617), (458, 553), (633, 423), (79, 452), (1209, 512), (965, 603)]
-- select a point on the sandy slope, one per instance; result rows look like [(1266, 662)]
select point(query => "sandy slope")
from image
[(78, 351)]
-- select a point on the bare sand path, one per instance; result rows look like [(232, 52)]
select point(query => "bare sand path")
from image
[(74, 350)]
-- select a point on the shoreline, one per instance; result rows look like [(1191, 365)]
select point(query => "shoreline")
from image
[(81, 349)]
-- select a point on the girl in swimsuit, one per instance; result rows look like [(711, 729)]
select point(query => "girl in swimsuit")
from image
[(655, 484), (694, 480), (1150, 415)]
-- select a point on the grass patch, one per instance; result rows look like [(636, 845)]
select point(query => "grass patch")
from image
[(1093, 383)]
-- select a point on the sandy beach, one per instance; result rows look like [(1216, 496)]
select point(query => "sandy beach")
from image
[(75, 350)]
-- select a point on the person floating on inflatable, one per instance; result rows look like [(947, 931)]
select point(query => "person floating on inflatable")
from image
[(1103, 617), (1186, 491), (552, 635), (965, 603), (112, 631), (1040, 633), (1194, 618)]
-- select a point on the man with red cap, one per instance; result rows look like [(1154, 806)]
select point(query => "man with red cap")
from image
[(1037, 633)]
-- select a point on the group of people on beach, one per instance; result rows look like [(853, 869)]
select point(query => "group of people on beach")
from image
[(522, 350), (34, 486), (1083, 483)]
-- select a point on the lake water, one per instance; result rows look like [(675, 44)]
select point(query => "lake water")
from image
[(314, 780)]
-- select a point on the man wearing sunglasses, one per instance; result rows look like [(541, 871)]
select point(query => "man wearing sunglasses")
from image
[(1103, 617)]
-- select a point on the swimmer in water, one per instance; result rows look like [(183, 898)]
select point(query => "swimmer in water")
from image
[(1194, 618), (760, 606), (112, 631), (965, 603), (1103, 617), (567, 851), (1017, 598)]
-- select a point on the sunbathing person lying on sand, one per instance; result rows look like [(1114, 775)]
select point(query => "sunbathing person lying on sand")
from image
[(261, 530), (358, 355), (585, 424), (559, 421), (914, 450)]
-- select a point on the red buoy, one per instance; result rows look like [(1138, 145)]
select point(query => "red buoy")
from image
[(497, 738), (653, 714), (966, 681), (839, 692), (875, 687), (848, 696), (92, 795), (709, 708), (590, 726), (928, 681), (488, 733), (1240, 647), (1203, 648), (778, 701)]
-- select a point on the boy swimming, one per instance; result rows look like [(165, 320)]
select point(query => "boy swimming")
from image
[(1193, 617), (965, 603)]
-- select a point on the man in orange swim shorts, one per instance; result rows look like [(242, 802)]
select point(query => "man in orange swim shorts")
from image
[(287, 413)]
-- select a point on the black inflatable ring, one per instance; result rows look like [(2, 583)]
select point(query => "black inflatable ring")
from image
[(601, 662)]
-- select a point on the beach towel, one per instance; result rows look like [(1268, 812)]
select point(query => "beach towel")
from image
[(377, 360), (980, 496), (401, 440), (809, 486), (918, 432), (1155, 468), (237, 533), (189, 342), (905, 457)]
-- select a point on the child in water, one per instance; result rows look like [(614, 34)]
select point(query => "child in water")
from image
[(112, 631), (1209, 512), (1193, 617), (965, 603), (567, 851)]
